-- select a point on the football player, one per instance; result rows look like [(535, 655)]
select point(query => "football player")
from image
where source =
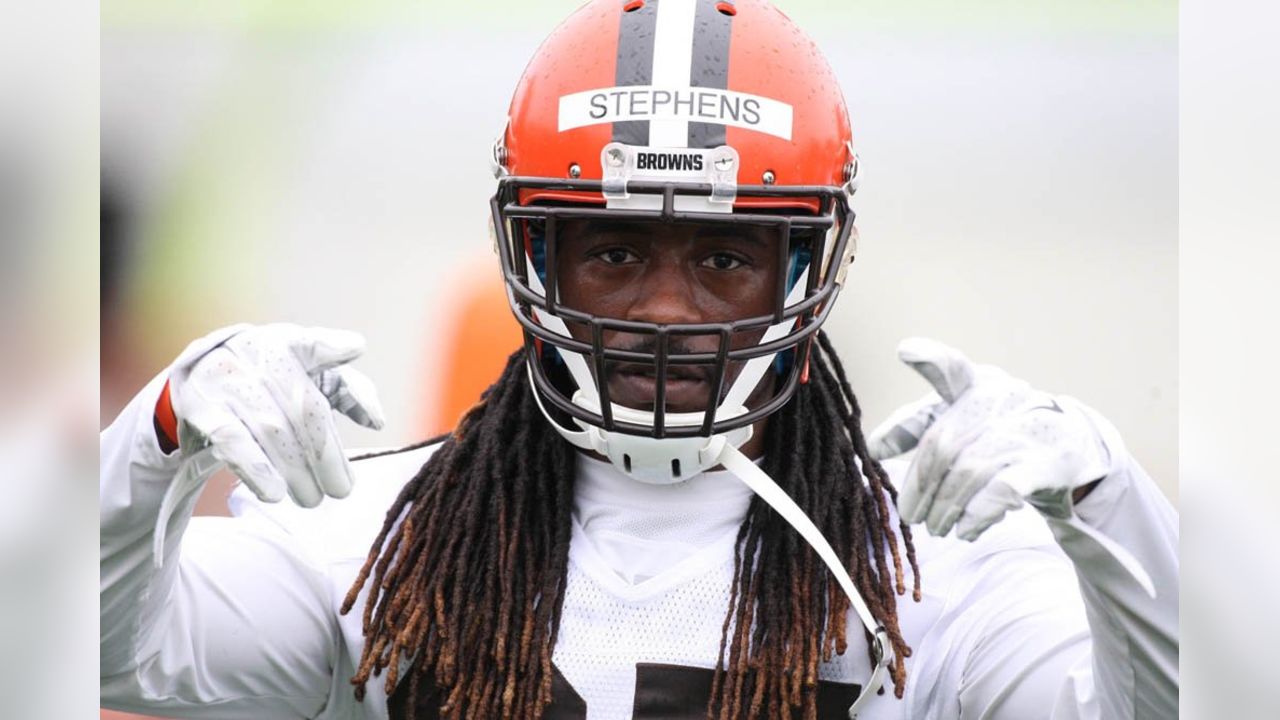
[(665, 506)]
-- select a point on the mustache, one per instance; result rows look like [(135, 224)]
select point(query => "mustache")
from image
[(676, 345)]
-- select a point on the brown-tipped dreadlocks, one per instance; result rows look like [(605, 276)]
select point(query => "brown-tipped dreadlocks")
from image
[(470, 584)]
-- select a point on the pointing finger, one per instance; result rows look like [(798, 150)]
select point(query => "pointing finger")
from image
[(946, 368)]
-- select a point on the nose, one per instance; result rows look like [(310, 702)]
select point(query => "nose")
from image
[(665, 294)]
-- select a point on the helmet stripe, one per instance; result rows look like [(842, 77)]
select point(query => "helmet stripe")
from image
[(635, 65), (673, 44), (672, 63), (710, 68)]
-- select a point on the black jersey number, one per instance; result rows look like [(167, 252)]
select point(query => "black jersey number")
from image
[(675, 692), (663, 692)]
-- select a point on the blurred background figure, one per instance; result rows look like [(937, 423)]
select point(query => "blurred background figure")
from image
[(326, 164), (479, 334)]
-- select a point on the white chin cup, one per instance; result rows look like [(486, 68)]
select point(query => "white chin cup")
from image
[(660, 461)]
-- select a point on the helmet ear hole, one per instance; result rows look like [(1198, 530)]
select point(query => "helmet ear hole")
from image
[(726, 8), (633, 6)]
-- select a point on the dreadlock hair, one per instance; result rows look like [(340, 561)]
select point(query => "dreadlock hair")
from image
[(469, 569)]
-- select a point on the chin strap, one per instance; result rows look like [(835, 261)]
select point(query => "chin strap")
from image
[(761, 484)]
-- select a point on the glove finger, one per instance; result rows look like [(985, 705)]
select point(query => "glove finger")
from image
[(277, 431), (916, 495), (968, 426), (253, 383), (962, 482), (315, 425), (233, 444), (332, 470), (305, 493), (944, 367), (319, 348), (353, 394), (902, 430), (972, 468), (310, 416), (937, 450), (989, 506)]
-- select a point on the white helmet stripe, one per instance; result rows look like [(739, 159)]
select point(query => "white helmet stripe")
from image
[(672, 62)]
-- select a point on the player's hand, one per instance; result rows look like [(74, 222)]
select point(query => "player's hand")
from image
[(261, 400), (985, 443)]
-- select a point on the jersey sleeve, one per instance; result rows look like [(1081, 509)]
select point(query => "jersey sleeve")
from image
[(1091, 644), (1134, 659), (236, 622)]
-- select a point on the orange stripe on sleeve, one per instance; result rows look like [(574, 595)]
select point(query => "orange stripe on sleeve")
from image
[(166, 422)]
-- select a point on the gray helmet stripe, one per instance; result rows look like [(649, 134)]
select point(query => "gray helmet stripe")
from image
[(710, 67), (635, 65)]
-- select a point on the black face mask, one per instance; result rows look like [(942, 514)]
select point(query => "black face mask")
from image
[(528, 239)]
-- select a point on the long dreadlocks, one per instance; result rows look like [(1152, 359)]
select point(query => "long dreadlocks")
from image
[(468, 571)]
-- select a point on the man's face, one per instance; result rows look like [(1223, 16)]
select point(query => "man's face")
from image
[(668, 274)]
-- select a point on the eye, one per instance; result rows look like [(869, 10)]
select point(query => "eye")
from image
[(723, 261), (616, 256)]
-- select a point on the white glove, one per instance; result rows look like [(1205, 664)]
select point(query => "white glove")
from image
[(259, 399), (985, 443)]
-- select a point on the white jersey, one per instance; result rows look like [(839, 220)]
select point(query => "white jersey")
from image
[(1034, 620)]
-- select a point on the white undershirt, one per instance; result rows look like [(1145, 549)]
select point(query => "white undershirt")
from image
[(640, 529)]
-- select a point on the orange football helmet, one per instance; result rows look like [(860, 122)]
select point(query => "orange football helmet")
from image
[(660, 111)]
